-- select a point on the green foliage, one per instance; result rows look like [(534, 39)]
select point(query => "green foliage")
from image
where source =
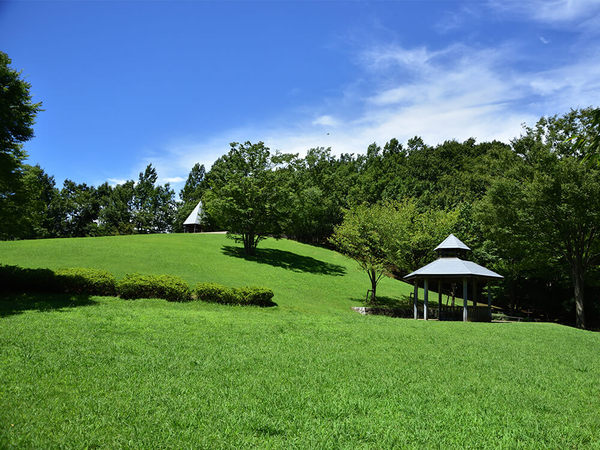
[(244, 197), (116, 213), (168, 287), (411, 234), (153, 205), (41, 218), (217, 293), (392, 237), (363, 236), (546, 210), (251, 295), (17, 116), (78, 207), (214, 292), (85, 281)]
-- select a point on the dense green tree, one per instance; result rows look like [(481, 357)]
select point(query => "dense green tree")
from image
[(364, 236), (78, 207), (195, 185), (17, 117), (413, 234), (153, 205), (244, 196), (547, 210), (116, 213), (39, 212), (392, 237)]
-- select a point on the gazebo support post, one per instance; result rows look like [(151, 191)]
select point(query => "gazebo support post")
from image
[(465, 305), (425, 298), (475, 314), (439, 299), (489, 296), (415, 298)]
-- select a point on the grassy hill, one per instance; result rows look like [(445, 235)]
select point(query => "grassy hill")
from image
[(304, 278), (91, 371)]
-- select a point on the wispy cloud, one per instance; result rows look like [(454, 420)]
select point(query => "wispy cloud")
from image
[(326, 121), (551, 11), (115, 181), (453, 20), (455, 92)]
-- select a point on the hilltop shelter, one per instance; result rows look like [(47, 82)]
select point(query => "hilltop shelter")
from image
[(451, 268), (193, 223)]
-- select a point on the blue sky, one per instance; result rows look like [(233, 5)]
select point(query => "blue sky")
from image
[(172, 83)]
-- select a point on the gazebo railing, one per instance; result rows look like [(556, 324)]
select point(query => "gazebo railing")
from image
[(476, 314)]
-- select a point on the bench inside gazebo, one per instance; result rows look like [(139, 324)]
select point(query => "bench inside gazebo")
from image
[(452, 269)]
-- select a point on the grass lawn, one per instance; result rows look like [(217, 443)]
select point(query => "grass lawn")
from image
[(104, 372)]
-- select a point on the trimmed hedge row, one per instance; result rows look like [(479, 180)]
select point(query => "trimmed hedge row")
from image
[(86, 281), (101, 282), (212, 292), (67, 281), (168, 287)]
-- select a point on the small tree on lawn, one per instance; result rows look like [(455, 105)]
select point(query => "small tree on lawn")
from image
[(362, 236), (243, 194)]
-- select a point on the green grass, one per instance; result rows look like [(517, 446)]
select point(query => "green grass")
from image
[(104, 372)]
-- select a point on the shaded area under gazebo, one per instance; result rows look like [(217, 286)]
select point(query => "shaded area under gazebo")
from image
[(451, 268)]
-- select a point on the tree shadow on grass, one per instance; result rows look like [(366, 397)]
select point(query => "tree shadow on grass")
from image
[(286, 260), (11, 304)]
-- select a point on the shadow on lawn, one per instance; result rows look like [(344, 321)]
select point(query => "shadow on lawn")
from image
[(287, 260), (11, 304)]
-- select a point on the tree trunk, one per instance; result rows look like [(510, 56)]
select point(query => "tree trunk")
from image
[(578, 283), (249, 245), (373, 277)]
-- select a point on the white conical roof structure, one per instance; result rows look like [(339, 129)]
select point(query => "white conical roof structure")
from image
[(196, 216), (452, 243)]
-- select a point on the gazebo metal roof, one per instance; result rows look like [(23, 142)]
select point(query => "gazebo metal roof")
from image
[(195, 218), (452, 243), (453, 267)]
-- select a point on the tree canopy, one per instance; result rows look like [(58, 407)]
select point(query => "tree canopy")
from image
[(17, 117), (243, 196)]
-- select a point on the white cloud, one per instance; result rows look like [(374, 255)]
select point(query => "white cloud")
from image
[(115, 181), (326, 120), (550, 11), (456, 92), (171, 180)]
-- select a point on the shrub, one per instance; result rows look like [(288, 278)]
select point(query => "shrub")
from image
[(213, 292), (18, 279), (169, 287), (85, 281), (256, 296)]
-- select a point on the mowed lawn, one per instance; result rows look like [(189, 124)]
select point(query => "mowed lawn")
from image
[(104, 372)]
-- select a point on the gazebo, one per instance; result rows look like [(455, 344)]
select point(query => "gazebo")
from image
[(194, 220), (451, 267)]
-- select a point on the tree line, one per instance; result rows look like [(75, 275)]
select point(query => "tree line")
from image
[(529, 209)]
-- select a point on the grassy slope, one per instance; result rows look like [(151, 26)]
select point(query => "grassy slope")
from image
[(148, 373), (304, 278)]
